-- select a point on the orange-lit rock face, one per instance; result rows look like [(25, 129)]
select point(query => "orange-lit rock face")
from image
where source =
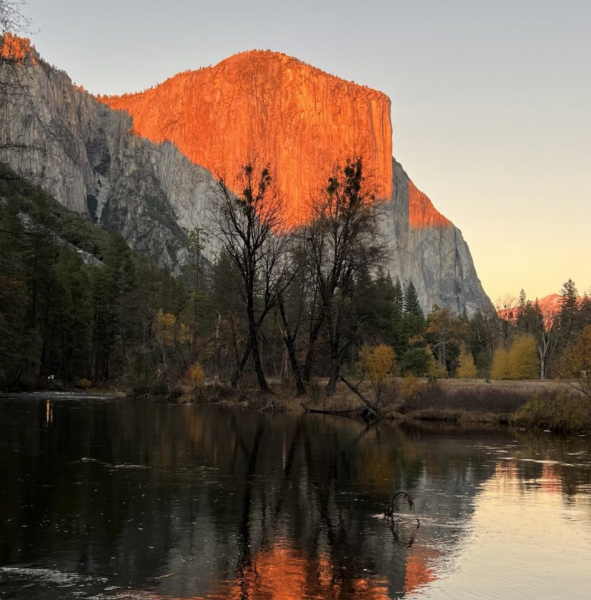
[(15, 48), (549, 306), (421, 212), (274, 109)]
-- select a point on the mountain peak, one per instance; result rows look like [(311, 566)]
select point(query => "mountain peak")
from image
[(272, 108)]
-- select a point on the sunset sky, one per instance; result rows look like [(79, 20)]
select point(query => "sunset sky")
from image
[(491, 100)]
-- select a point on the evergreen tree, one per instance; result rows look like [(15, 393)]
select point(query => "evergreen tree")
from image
[(411, 301), (398, 300), (569, 309), (412, 325)]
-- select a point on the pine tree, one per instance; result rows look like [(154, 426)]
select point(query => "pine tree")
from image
[(398, 300), (569, 308), (411, 301)]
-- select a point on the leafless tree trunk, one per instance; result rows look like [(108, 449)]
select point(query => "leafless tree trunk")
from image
[(343, 240), (251, 228)]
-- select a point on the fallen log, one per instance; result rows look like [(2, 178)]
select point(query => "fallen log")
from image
[(329, 411), (367, 402)]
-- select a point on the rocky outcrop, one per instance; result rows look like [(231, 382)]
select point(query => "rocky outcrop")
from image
[(272, 108), (91, 158), (83, 154), (427, 249)]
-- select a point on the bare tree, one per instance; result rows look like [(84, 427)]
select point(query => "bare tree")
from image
[(544, 326), (292, 308), (250, 227), (11, 17), (195, 245), (343, 241)]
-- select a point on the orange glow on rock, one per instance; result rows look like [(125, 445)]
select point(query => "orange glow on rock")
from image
[(16, 48), (271, 108), (421, 212), (549, 305)]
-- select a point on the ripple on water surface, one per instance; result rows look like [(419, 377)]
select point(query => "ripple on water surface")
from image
[(127, 500)]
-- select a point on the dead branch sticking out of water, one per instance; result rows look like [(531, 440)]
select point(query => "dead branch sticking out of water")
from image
[(394, 506), (404, 531)]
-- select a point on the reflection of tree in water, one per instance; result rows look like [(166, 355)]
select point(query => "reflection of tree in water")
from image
[(232, 503)]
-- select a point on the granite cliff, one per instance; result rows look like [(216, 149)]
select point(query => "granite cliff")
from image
[(144, 164), (274, 108)]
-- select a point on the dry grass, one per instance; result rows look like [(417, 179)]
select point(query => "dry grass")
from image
[(548, 404), (478, 396), (566, 413)]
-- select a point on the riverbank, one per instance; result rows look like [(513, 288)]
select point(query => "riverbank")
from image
[(553, 405)]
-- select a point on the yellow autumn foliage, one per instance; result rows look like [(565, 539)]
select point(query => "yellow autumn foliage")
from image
[(519, 362), (196, 375), (500, 365), (163, 327), (466, 369), (84, 383), (436, 370), (523, 358), (411, 386), (576, 362), (377, 362)]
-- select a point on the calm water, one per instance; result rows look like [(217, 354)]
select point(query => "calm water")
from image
[(126, 500)]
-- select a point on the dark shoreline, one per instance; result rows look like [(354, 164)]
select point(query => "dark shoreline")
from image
[(449, 402)]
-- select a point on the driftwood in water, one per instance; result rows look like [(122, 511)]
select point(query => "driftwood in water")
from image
[(394, 506), (403, 531)]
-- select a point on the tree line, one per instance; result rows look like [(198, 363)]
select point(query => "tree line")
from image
[(279, 304)]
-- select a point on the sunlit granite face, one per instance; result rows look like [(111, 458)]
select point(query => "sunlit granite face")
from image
[(275, 109), (149, 170)]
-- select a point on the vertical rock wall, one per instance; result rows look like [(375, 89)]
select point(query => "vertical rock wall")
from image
[(89, 158)]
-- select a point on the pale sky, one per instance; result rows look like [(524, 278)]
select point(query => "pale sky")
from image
[(491, 99)]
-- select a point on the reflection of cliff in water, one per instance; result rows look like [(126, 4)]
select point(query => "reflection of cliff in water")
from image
[(205, 502)]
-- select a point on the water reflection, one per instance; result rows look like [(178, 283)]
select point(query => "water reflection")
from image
[(164, 501)]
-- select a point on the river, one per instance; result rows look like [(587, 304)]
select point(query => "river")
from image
[(129, 500)]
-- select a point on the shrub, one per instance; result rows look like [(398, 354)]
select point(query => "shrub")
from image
[(84, 384), (411, 386), (576, 362), (377, 364), (436, 370), (564, 413), (520, 362), (196, 375)]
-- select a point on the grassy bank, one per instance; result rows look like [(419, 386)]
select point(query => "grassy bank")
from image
[(528, 404), (524, 404)]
